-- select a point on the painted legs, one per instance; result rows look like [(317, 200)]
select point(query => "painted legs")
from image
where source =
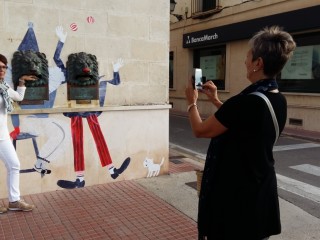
[(101, 146)]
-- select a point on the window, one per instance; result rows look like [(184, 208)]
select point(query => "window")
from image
[(171, 62), (212, 61), (200, 6), (208, 5), (302, 72)]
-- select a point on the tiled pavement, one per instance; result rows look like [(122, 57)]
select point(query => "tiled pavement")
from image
[(120, 210)]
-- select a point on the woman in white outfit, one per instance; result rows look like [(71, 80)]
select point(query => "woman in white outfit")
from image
[(7, 152)]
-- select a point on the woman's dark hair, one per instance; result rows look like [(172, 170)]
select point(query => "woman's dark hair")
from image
[(3, 59), (274, 46)]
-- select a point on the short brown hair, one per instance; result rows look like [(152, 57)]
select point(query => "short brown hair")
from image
[(274, 46), (3, 59)]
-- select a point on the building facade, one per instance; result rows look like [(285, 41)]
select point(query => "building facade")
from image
[(129, 39), (213, 36)]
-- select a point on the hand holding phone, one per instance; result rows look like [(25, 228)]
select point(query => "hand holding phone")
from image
[(197, 78)]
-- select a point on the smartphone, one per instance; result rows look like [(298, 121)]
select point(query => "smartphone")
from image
[(197, 77)]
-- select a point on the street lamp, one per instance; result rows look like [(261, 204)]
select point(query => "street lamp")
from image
[(172, 7)]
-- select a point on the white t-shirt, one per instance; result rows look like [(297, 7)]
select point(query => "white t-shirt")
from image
[(15, 96)]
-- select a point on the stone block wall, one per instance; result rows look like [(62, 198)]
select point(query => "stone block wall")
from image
[(134, 116)]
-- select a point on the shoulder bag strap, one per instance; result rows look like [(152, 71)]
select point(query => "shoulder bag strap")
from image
[(274, 118)]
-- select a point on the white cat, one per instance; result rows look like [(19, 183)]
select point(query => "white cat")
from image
[(153, 168)]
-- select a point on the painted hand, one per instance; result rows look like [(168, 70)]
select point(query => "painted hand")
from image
[(117, 65), (62, 36)]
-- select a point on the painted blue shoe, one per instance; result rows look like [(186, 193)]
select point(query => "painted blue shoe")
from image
[(118, 171), (71, 185)]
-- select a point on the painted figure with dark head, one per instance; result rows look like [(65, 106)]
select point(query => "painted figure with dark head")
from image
[(83, 81), (82, 69), (30, 63)]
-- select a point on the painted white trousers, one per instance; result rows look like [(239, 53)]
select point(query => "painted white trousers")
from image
[(10, 158)]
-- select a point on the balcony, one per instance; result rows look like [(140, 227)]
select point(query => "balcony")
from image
[(204, 8)]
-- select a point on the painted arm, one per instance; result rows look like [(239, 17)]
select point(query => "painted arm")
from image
[(114, 81), (62, 37), (116, 76)]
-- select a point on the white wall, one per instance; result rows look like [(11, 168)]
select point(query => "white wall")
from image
[(134, 119)]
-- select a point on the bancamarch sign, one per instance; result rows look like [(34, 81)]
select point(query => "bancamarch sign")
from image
[(290, 21), (204, 38), (196, 39)]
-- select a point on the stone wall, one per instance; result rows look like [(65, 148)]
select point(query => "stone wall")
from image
[(134, 116)]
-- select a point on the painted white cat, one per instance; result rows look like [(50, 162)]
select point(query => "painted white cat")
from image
[(153, 168)]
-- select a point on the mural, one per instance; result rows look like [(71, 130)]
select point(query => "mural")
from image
[(82, 77), (83, 67), (32, 63), (153, 168), (58, 132)]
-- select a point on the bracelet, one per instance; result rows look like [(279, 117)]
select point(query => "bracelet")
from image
[(191, 106), (22, 81)]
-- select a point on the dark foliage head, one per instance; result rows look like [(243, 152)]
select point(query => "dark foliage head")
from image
[(30, 63), (82, 69)]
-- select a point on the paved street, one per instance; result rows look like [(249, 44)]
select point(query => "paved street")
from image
[(297, 163)]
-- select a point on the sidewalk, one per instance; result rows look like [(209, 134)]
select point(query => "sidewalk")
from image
[(296, 223), (163, 207), (120, 210)]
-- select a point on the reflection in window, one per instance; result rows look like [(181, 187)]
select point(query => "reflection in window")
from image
[(213, 64), (302, 72), (171, 70)]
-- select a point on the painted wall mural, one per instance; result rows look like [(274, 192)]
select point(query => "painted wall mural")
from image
[(153, 168), (83, 69), (32, 63), (56, 133)]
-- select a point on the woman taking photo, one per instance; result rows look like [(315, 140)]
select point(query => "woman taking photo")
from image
[(238, 198)]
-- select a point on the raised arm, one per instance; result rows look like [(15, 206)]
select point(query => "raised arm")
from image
[(116, 76), (62, 37), (208, 128), (115, 81)]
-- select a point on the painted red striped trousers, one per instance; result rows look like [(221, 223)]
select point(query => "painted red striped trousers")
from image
[(77, 140)]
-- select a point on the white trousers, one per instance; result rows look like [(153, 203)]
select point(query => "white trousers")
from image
[(10, 158)]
